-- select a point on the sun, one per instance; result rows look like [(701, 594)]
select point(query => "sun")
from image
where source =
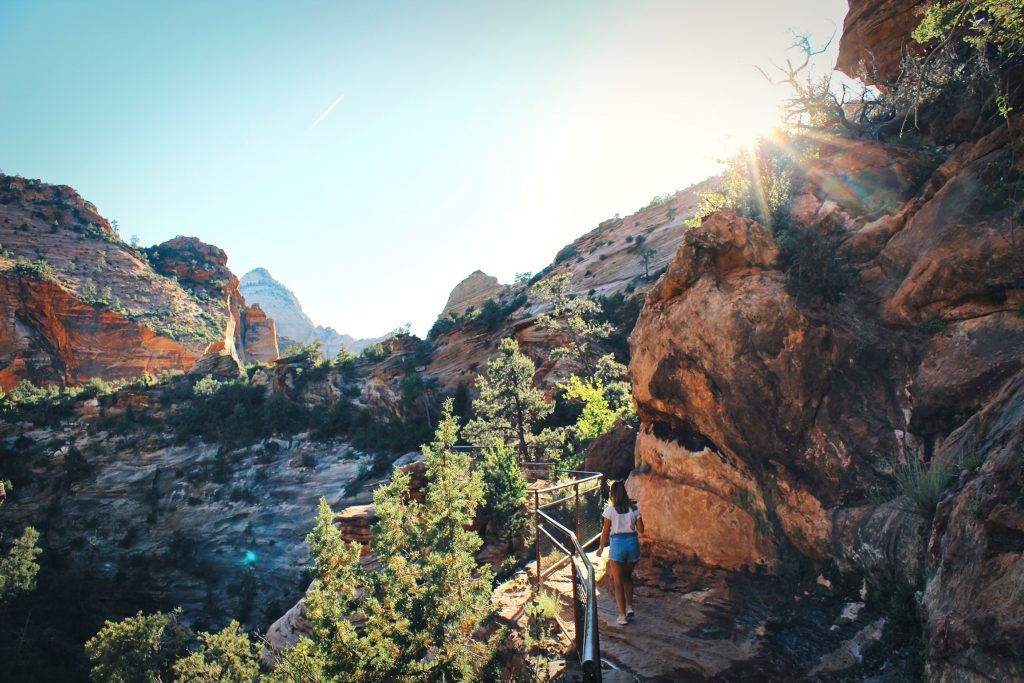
[(755, 121)]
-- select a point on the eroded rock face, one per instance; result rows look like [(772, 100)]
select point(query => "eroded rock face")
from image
[(974, 597), (48, 335), (771, 418), (877, 34), (219, 360), (700, 507), (259, 336)]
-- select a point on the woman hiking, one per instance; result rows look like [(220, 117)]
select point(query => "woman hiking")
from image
[(621, 523)]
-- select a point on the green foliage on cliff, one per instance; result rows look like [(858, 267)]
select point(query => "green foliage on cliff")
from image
[(236, 412), (922, 483), (757, 184), (577, 317), (984, 23), (18, 569), (38, 269)]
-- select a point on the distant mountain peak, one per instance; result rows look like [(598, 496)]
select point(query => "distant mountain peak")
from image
[(294, 325)]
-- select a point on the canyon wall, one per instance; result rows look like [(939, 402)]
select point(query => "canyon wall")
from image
[(77, 302)]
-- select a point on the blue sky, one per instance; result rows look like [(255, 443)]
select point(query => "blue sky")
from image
[(469, 134)]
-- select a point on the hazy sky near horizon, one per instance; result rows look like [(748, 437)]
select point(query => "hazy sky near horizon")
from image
[(372, 154)]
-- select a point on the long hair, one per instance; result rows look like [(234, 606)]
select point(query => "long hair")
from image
[(620, 499)]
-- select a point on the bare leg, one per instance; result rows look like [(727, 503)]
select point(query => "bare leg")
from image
[(627, 585), (617, 588)]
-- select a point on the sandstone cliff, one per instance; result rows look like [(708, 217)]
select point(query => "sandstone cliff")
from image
[(78, 302), (622, 258)]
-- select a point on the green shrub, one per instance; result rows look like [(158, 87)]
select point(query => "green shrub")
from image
[(567, 252), (981, 23), (378, 351), (819, 263), (442, 326), (140, 648), (922, 484), (18, 568), (236, 413), (312, 353), (659, 200), (38, 270)]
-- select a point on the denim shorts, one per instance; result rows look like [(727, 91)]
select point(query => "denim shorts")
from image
[(624, 548)]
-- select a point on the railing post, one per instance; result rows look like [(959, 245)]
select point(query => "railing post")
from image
[(536, 531), (576, 612), (576, 495)]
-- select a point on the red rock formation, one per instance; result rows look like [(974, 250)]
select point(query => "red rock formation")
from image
[(259, 336), (877, 33), (47, 335), (612, 454), (472, 292), (771, 417)]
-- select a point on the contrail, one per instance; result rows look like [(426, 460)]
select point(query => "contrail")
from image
[(329, 109)]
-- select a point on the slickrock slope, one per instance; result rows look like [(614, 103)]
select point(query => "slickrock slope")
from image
[(607, 261), (77, 302), (292, 324), (771, 417)]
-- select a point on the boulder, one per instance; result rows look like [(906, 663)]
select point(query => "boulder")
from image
[(612, 453), (219, 360)]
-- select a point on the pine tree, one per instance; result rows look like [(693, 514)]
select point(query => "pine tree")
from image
[(576, 317), (225, 657), (509, 408), (505, 492), (140, 649), (422, 607)]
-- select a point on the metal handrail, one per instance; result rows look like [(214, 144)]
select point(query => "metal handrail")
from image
[(588, 647)]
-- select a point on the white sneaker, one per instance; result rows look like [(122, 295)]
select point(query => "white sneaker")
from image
[(622, 620)]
